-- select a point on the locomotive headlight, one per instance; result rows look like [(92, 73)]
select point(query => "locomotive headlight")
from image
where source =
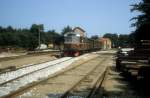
[(78, 35)]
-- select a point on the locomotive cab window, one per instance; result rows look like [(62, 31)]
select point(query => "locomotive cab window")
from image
[(72, 38)]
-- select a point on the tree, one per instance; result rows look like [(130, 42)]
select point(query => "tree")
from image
[(51, 36), (123, 40), (24, 36), (95, 37), (10, 29), (36, 31), (132, 39), (28, 38), (66, 29), (9, 37), (142, 23), (1, 38)]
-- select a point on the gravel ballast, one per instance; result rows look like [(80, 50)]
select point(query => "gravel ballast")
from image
[(36, 76)]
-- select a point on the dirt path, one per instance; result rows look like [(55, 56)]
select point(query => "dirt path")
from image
[(116, 86)]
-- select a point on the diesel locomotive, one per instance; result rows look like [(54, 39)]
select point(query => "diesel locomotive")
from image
[(76, 43)]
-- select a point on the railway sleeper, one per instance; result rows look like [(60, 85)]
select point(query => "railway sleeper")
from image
[(88, 87)]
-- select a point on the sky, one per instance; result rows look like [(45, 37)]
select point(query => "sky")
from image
[(96, 17)]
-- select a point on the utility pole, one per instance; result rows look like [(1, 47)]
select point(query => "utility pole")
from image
[(39, 38), (118, 43)]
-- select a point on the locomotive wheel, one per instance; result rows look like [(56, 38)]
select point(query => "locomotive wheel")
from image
[(76, 54)]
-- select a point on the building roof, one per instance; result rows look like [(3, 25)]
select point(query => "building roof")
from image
[(79, 29), (104, 39)]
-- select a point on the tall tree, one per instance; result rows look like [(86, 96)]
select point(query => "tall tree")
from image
[(36, 35), (24, 36), (123, 40), (95, 37), (51, 36), (10, 29), (142, 23), (28, 38), (35, 29), (66, 29)]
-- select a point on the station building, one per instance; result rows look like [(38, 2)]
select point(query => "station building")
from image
[(105, 43)]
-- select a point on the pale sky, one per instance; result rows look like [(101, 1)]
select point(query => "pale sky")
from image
[(96, 17)]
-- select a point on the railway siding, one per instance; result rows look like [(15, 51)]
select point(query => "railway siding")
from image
[(15, 63), (91, 83), (57, 86), (14, 86), (4, 77), (17, 83)]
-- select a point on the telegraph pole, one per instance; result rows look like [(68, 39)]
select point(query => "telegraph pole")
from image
[(39, 38)]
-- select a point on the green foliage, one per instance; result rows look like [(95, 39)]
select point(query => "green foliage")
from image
[(132, 39), (35, 29), (27, 38), (51, 36), (142, 21), (144, 8), (35, 32), (121, 40), (8, 36), (95, 37), (66, 29)]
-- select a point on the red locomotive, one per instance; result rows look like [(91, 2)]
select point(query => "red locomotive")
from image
[(76, 43)]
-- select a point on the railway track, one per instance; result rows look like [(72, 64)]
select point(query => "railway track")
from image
[(14, 80), (82, 83), (22, 71), (12, 69), (12, 84), (29, 54), (89, 85), (11, 66)]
